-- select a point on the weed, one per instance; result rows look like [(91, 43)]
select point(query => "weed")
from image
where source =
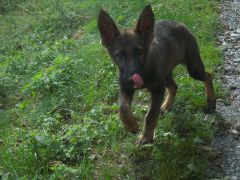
[(59, 95)]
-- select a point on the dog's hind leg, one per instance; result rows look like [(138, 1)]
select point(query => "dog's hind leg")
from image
[(171, 93), (211, 99), (196, 70)]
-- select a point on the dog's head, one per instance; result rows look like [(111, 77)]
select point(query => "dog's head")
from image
[(128, 48)]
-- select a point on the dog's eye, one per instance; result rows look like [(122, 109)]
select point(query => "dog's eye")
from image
[(117, 52), (120, 53)]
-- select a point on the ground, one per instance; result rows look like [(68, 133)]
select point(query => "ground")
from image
[(226, 141), (59, 95)]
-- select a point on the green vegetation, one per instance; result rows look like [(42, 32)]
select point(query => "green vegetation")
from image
[(59, 95)]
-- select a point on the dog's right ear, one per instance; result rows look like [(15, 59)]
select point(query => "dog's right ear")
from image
[(107, 28)]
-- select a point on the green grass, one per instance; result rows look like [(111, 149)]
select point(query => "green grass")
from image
[(59, 95)]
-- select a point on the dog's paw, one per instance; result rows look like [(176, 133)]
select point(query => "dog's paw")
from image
[(132, 126), (165, 107), (208, 110), (144, 140), (163, 111), (211, 107)]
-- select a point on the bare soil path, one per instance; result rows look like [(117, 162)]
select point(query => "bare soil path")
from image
[(227, 140)]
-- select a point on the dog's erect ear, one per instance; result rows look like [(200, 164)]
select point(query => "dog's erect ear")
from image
[(107, 28), (145, 25)]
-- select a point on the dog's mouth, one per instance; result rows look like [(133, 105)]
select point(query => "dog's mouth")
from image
[(137, 81)]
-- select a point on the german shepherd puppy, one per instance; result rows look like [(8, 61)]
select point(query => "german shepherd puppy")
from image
[(146, 57)]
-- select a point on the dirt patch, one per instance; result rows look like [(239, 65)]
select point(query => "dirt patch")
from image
[(226, 163)]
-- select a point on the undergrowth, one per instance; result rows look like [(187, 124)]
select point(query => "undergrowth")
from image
[(59, 95)]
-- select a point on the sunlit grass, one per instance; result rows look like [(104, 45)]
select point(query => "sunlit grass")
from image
[(59, 95)]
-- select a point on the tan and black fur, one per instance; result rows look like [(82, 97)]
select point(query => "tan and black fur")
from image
[(153, 50)]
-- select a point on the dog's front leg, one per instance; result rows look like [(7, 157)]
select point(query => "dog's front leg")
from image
[(125, 112), (151, 118)]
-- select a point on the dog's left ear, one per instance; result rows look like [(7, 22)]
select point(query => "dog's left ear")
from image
[(145, 25)]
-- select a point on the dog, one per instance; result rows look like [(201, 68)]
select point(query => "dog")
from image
[(146, 57)]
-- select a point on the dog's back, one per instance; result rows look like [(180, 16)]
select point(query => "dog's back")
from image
[(171, 46)]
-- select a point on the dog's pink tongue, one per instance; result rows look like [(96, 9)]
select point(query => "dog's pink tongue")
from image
[(138, 81)]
